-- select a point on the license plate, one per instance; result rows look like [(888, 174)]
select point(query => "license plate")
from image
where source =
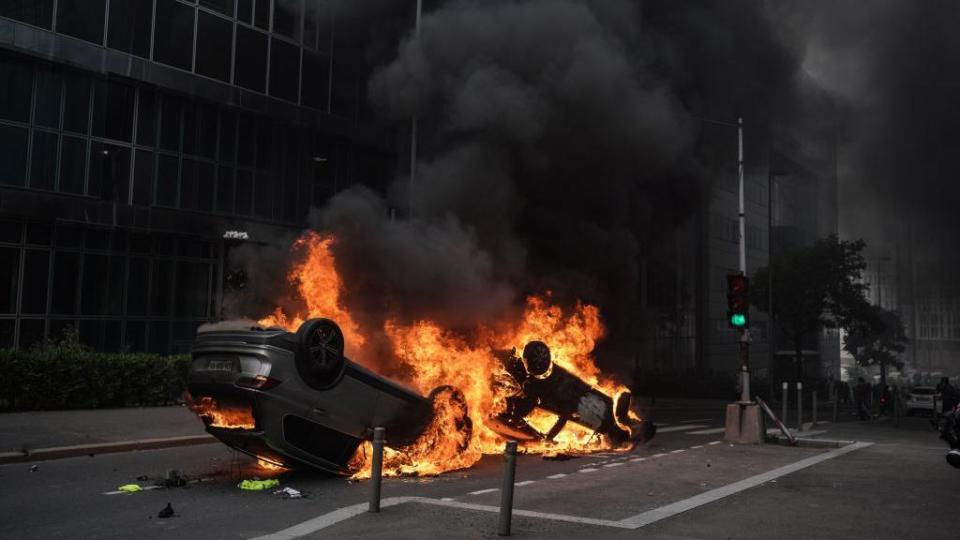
[(220, 365)]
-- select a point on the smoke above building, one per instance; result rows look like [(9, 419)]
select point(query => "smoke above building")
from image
[(556, 139)]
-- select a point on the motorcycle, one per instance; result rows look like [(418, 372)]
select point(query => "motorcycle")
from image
[(949, 426)]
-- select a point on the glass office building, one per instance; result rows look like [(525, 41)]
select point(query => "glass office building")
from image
[(134, 134)]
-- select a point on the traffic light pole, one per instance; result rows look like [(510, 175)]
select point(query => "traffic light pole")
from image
[(744, 332)]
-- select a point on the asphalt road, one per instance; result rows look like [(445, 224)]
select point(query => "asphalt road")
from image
[(900, 487)]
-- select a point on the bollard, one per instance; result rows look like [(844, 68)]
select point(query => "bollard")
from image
[(783, 404), (506, 493), (799, 407), (376, 469), (813, 421)]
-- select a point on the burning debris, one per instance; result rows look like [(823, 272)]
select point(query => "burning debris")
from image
[(292, 397)]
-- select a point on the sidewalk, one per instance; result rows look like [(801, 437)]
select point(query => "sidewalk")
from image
[(51, 434)]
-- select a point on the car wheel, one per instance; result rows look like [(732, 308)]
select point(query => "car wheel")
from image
[(451, 416), (320, 357)]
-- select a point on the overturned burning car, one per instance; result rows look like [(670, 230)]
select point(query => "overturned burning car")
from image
[(294, 399)]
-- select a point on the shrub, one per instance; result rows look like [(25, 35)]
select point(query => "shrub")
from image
[(66, 375)]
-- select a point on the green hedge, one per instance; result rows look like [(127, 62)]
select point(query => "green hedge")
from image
[(66, 376)]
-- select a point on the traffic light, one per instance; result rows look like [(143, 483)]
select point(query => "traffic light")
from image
[(738, 307)]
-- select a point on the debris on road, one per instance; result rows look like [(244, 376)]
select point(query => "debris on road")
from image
[(258, 485), (288, 493), (34, 468), (174, 478), (166, 512), (130, 488), (560, 456)]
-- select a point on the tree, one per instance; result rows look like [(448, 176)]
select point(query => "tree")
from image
[(877, 340), (814, 287)]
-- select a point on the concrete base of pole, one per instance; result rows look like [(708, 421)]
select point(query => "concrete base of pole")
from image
[(744, 424)]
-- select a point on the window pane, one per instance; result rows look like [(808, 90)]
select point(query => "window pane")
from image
[(264, 196), (66, 270), (246, 140), (188, 185), (9, 272), (38, 234), (159, 338), (251, 62), (286, 18), (13, 155), (314, 84), (200, 130), (192, 289), (76, 105), (16, 81), (36, 267), (228, 122), (261, 14), (113, 111), (31, 332), (10, 231), (245, 11), (214, 40), (129, 29), (223, 6), (284, 70), (137, 286), (146, 118), (170, 123), (47, 104), (173, 35), (167, 181), (109, 172), (6, 333), (266, 145), (205, 186), (43, 166), (225, 190), (73, 164), (143, 174), (96, 284), (244, 192), (160, 289), (82, 19), (135, 338), (35, 12)]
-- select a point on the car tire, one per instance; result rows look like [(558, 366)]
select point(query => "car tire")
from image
[(319, 355), (459, 420)]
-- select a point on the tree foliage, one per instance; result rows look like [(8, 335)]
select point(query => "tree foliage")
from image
[(814, 287), (877, 340)]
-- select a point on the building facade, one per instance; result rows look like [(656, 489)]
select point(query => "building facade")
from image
[(135, 135)]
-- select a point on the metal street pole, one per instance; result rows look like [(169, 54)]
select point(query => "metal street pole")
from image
[(744, 333)]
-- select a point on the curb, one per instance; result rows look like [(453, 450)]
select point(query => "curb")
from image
[(59, 452)]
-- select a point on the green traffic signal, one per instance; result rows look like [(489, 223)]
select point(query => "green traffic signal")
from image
[(738, 320)]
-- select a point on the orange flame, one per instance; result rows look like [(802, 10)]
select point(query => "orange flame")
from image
[(437, 357), (223, 415)]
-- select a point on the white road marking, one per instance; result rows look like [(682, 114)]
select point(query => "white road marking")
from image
[(634, 522), (686, 427), (714, 442), (617, 464), (482, 491), (638, 459), (448, 499), (556, 476), (659, 455), (589, 469), (710, 431), (670, 510), (525, 483), (659, 425), (678, 451), (696, 446), (143, 488)]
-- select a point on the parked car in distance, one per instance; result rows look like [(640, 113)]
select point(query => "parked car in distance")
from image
[(921, 400)]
